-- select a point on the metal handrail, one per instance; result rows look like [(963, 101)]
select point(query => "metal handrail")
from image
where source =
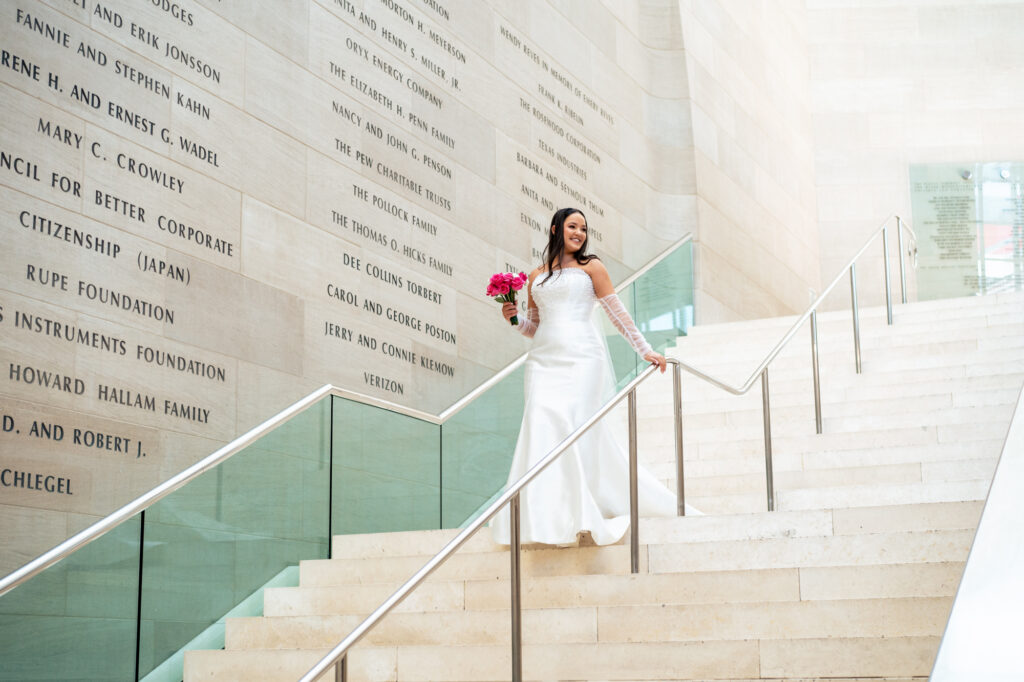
[(165, 488), (811, 313), (337, 656), (106, 524), (812, 308)]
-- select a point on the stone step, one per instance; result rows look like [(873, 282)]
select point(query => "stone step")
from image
[(206, 665), (950, 312), (896, 617), (876, 371), (835, 443), (757, 343), (998, 416), (889, 367), (812, 523), (958, 433), (655, 396), (839, 657), (967, 470), (998, 343), (870, 548), (892, 474), (903, 336), (840, 550), (559, 592), (913, 617), (661, 462), (436, 628), (760, 525), (840, 497), (841, 358), (362, 598), (793, 480), (934, 579), (937, 579), (848, 657), (877, 496), (612, 559), (939, 452), (839, 433), (964, 390), (840, 347), (988, 422), (804, 410)]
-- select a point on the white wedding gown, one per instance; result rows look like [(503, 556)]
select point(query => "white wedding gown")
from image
[(568, 378)]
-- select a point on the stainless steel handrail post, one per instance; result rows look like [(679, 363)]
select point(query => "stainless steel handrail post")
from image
[(856, 314), (766, 410), (341, 670), (515, 579), (677, 406), (902, 259), (814, 368), (885, 261), (634, 508)]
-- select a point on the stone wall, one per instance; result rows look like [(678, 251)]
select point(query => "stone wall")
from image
[(900, 83), (212, 207), (747, 65)]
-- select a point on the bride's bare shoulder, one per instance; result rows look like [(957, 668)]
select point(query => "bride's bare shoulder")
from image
[(595, 267)]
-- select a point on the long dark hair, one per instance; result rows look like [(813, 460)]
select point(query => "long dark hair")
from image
[(555, 249)]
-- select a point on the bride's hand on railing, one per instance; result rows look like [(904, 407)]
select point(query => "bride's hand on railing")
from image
[(656, 359)]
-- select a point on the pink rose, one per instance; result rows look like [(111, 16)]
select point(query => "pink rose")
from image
[(503, 288), (497, 279), (492, 290)]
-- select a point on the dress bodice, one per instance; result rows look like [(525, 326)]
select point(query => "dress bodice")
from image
[(566, 296)]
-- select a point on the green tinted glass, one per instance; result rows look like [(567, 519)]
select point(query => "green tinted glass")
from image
[(386, 471), (222, 537), (477, 445), (663, 298), (77, 619)]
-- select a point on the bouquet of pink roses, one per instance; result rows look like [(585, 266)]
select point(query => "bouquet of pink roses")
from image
[(503, 287)]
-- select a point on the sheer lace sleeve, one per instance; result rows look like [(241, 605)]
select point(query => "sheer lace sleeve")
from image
[(528, 322), (624, 323)]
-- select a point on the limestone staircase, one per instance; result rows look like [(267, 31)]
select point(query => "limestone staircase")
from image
[(851, 578)]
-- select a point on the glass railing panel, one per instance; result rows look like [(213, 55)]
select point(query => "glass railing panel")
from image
[(386, 471), (663, 299), (77, 620), (212, 543), (661, 303), (477, 445)]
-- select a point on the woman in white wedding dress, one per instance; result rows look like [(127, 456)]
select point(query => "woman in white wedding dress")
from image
[(568, 378)]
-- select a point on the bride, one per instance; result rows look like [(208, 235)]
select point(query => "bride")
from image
[(568, 378)]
